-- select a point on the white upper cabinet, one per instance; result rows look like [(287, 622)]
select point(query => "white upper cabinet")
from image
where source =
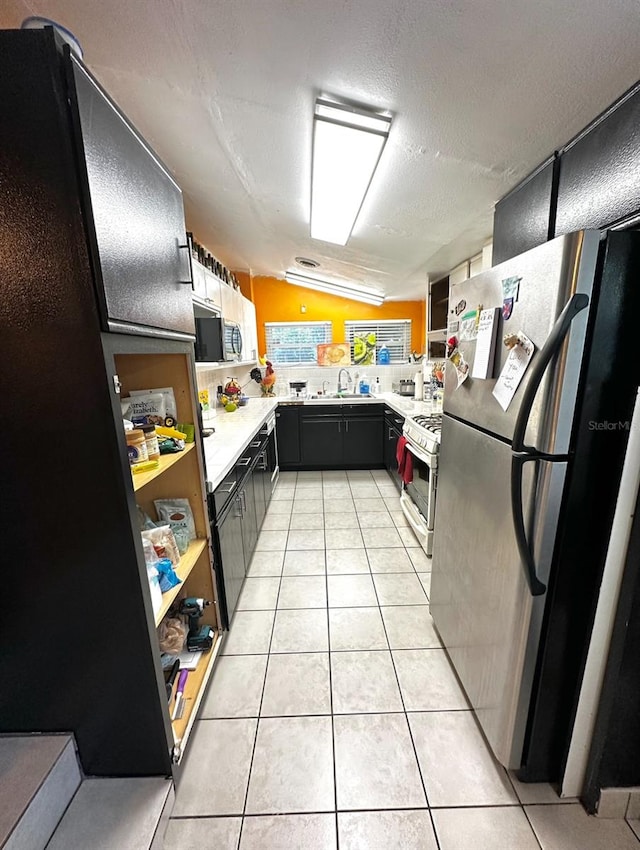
[(249, 330)]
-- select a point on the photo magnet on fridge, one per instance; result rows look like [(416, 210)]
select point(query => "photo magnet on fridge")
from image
[(507, 308)]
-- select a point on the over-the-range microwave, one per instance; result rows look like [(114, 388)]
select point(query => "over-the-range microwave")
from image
[(217, 340)]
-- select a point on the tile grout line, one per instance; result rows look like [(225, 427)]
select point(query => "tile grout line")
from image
[(264, 683), (333, 731), (406, 718)]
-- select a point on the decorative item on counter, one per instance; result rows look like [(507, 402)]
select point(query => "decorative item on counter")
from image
[(171, 635), (268, 381), (333, 354), (203, 398), (364, 350), (136, 446)]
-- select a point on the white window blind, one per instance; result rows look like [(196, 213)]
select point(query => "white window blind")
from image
[(295, 342), (394, 333)]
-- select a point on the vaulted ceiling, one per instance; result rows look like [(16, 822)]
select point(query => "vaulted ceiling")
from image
[(481, 92)]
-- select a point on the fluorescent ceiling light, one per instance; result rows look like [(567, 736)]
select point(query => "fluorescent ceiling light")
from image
[(346, 290), (347, 144)]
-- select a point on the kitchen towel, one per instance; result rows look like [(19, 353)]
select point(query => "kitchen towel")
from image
[(405, 460)]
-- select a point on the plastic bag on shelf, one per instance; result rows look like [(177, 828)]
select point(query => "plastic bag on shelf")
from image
[(179, 516), (164, 543), (172, 633)]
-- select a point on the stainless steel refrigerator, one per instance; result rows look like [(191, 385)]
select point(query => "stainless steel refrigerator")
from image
[(526, 496)]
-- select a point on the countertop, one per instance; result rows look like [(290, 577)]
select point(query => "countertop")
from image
[(234, 431)]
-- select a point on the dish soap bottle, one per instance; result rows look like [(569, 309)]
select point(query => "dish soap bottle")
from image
[(364, 385), (384, 357)]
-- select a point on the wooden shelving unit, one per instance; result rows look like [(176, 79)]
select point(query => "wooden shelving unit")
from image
[(187, 563), (141, 479)]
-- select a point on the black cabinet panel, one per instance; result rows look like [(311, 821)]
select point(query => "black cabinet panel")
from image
[(363, 440), (231, 555), (288, 436), (391, 437), (599, 172), (249, 518), (322, 441), (524, 218), (138, 218)]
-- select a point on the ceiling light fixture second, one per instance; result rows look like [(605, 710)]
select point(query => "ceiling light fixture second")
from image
[(347, 145), (344, 290)]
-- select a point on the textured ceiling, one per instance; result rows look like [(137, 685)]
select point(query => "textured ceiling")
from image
[(481, 93)]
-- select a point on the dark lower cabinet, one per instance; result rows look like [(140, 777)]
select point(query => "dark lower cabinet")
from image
[(322, 441), (228, 534), (362, 440), (249, 519), (260, 476), (391, 437), (288, 436), (332, 436)]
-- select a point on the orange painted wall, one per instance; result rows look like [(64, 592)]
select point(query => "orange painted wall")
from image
[(278, 301)]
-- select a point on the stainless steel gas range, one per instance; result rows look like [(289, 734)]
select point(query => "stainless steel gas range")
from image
[(418, 499)]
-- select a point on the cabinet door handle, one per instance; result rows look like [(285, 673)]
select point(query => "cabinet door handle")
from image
[(243, 496), (245, 461), (254, 445), (390, 433), (339, 426), (229, 489), (347, 424)]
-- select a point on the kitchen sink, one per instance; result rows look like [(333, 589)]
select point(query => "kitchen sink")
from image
[(339, 395)]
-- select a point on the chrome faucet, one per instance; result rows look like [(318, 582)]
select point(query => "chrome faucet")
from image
[(342, 388), (325, 384)]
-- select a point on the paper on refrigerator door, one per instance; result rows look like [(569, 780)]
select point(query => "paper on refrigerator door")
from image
[(486, 343), (513, 370)]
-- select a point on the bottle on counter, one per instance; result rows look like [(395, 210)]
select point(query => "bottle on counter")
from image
[(418, 385), (376, 388), (384, 358)]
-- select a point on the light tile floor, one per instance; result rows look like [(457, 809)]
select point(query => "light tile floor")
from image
[(333, 720)]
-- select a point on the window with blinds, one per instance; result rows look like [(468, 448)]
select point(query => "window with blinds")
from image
[(295, 342), (394, 333)]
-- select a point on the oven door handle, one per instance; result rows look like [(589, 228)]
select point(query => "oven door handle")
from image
[(415, 451)]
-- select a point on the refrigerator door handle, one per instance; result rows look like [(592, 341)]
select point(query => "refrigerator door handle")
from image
[(552, 346), (536, 587)]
